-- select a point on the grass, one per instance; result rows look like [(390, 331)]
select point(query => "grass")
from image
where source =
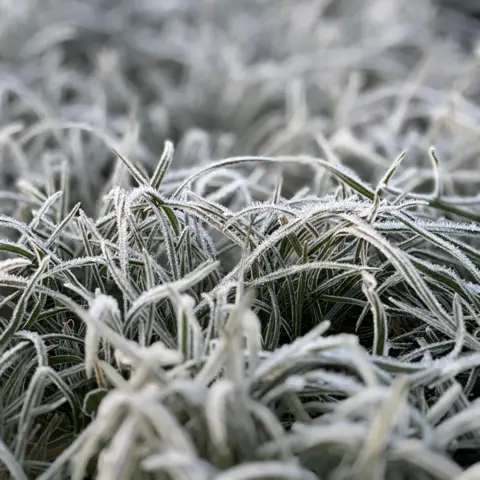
[(228, 248)]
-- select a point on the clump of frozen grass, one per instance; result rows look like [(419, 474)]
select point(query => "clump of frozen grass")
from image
[(165, 314), (125, 337)]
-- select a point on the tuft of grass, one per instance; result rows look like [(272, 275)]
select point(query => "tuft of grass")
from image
[(228, 248)]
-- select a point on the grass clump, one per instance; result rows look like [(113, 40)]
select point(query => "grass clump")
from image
[(228, 247)]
